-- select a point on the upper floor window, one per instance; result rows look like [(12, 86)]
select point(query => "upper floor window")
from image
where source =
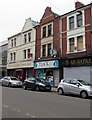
[(15, 42), (43, 50), (49, 29), (79, 20), (80, 43), (11, 55), (76, 44), (12, 43), (71, 22), (44, 32), (29, 37), (71, 44), (49, 49), (28, 53), (14, 56), (24, 54), (25, 38)]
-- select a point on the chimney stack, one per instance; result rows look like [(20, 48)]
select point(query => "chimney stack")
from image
[(78, 5)]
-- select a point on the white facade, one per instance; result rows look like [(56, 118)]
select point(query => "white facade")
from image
[(17, 45)]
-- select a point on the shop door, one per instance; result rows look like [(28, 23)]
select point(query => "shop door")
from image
[(56, 77), (19, 74)]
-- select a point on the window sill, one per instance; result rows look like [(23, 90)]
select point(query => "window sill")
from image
[(46, 36), (76, 52)]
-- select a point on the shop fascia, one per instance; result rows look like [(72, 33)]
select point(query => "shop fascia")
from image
[(46, 64)]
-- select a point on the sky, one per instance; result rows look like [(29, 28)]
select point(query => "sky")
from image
[(13, 13)]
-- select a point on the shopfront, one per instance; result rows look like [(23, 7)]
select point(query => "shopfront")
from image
[(79, 68), (48, 70)]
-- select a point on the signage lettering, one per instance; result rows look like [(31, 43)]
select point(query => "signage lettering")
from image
[(78, 62)]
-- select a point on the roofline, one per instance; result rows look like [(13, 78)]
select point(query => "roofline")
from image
[(88, 5)]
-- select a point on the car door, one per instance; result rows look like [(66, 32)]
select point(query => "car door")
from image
[(30, 83), (74, 88), (66, 85), (4, 81), (7, 81)]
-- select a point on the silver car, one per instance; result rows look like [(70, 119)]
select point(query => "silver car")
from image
[(10, 81), (76, 87)]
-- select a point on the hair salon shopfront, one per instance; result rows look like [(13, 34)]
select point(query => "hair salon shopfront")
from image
[(49, 70)]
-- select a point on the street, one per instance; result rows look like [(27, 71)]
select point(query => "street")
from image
[(19, 103)]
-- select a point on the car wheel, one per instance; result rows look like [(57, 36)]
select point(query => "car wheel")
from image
[(24, 87), (9, 85), (1, 84), (37, 88), (84, 94), (60, 91)]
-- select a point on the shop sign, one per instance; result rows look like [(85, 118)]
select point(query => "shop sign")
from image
[(78, 62), (46, 64)]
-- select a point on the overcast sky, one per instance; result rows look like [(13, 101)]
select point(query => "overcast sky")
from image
[(13, 13)]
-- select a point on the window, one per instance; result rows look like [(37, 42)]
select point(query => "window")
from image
[(12, 43), (43, 50), (28, 53), (49, 29), (71, 44), (11, 56), (79, 20), (29, 37), (49, 49), (44, 32), (15, 42), (80, 43), (74, 82), (14, 56), (66, 81), (71, 22), (24, 54), (25, 38)]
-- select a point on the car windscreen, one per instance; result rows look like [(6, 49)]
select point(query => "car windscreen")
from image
[(13, 78), (42, 80), (84, 82)]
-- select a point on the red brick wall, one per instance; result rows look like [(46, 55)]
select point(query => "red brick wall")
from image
[(38, 42), (87, 29), (56, 36), (64, 36), (87, 36), (47, 16)]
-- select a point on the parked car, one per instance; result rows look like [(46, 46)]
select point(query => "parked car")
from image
[(76, 87), (36, 84), (10, 81)]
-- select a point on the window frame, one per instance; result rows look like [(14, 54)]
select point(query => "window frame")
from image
[(71, 23)]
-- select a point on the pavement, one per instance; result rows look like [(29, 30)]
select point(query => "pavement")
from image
[(54, 89)]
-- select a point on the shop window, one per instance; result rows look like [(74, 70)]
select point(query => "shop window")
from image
[(79, 20), (44, 32), (49, 29), (80, 43), (49, 49), (71, 44), (71, 22), (43, 50)]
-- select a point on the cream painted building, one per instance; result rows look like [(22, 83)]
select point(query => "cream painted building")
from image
[(21, 51)]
